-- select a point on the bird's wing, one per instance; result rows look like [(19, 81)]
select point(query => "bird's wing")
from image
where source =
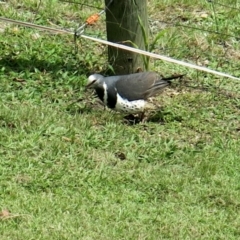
[(136, 86)]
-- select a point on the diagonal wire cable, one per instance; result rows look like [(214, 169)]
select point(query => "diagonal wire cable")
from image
[(153, 55)]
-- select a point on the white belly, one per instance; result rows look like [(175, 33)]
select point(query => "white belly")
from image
[(123, 105)]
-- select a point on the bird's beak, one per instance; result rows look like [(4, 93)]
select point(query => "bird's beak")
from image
[(90, 84)]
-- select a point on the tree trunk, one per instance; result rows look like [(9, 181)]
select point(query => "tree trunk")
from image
[(127, 23)]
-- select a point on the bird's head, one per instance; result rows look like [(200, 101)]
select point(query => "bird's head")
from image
[(95, 80)]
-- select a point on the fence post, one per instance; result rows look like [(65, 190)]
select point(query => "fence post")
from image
[(125, 21)]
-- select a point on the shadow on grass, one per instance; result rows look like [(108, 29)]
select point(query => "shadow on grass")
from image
[(160, 117), (19, 64)]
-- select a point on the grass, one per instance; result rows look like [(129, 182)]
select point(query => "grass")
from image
[(70, 170)]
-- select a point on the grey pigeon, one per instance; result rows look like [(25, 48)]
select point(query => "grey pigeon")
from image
[(129, 93)]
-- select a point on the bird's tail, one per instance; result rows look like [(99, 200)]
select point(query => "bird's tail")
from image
[(170, 78), (161, 84)]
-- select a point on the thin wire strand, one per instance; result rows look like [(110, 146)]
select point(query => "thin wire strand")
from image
[(223, 5), (92, 6), (200, 29), (82, 4), (173, 24)]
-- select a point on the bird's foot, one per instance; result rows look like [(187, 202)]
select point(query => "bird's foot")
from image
[(131, 119), (142, 117)]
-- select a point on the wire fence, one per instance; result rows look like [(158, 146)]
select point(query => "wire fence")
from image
[(204, 35)]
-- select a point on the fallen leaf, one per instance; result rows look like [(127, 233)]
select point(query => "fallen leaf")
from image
[(4, 213), (66, 139)]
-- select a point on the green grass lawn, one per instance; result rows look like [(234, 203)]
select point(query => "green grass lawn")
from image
[(71, 170)]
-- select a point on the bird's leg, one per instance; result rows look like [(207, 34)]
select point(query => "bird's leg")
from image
[(141, 116)]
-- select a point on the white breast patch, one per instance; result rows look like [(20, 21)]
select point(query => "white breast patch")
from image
[(105, 93), (123, 105)]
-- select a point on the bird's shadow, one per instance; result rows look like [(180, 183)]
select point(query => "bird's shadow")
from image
[(161, 117)]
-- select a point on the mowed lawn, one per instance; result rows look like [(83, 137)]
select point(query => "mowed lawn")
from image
[(69, 169)]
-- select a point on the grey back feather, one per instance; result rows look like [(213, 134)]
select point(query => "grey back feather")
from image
[(138, 85)]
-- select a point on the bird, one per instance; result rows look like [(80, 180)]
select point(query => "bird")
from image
[(129, 93)]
